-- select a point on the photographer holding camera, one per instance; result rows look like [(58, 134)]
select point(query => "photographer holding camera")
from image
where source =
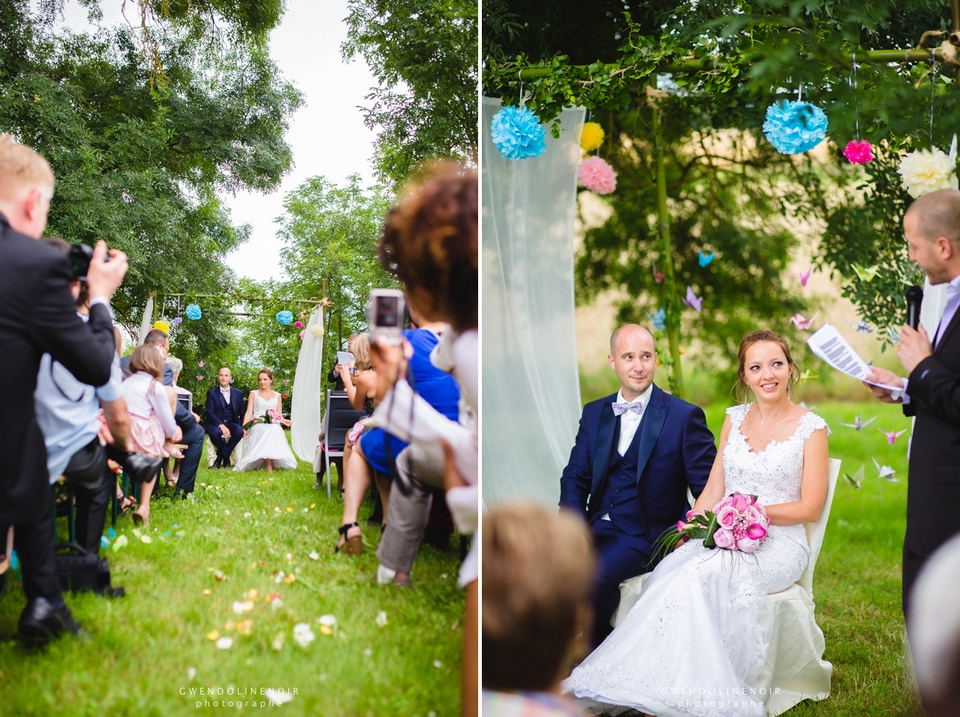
[(68, 412), (37, 316)]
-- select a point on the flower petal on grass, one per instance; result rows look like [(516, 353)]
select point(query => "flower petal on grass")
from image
[(314, 555), (213, 635), (381, 619), (119, 543), (277, 697), (303, 634), (225, 643)]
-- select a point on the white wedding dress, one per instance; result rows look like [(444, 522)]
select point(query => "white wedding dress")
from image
[(693, 640), (265, 440)]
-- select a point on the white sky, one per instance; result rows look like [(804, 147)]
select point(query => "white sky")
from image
[(326, 134)]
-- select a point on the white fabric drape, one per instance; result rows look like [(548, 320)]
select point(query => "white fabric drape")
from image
[(531, 391), (146, 321), (307, 390)]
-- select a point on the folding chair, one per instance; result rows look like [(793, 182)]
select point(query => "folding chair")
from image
[(341, 417)]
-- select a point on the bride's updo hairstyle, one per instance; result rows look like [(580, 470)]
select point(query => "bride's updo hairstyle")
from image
[(740, 390), (538, 571), (266, 371)]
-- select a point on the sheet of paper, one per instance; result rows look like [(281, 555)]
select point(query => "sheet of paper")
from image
[(830, 347), (344, 358)]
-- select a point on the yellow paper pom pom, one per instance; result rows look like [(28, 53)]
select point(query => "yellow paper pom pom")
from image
[(162, 325), (591, 137)]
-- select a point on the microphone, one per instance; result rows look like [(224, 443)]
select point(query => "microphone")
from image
[(914, 297)]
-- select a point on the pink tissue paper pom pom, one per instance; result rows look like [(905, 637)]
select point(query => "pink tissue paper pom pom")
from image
[(298, 324), (302, 334), (858, 151), (597, 176)]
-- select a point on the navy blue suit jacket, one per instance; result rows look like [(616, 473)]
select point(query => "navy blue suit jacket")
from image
[(216, 406), (676, 451)]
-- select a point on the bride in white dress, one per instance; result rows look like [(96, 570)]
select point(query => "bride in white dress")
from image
[(265, 444), (693, 641)]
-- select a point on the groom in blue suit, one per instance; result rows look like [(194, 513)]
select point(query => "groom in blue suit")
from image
[(225, 412), (636, 454)]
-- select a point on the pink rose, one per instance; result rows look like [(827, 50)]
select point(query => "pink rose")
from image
[(723, 538), (722, 504), (727, 517), (754, 515), (755, 531), (740, 501), (748, 545)]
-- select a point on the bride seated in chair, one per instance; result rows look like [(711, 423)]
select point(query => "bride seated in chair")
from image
[(698, 637), (265, 444)]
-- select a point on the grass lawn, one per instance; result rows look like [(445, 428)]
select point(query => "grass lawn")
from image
[(391, 652), (857, 581)]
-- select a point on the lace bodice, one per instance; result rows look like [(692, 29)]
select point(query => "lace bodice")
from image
[(262, 405), (773, 474)]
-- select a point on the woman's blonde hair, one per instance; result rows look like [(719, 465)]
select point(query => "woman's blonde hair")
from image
[(538, 570), (361, 353)]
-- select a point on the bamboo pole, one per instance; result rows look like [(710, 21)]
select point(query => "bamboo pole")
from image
[(707, 63), (672, 308)]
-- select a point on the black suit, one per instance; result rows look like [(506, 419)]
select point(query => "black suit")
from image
[(229, 414), (933, 489), (38, 315)]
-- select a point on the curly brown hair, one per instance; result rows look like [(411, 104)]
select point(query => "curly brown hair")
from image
[(429, 242)]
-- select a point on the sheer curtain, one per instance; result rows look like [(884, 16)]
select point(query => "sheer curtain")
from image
[(531, 391), (308, 391)]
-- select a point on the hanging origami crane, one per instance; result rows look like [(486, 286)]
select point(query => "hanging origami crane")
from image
[(858, 424), (804, 277), (892, 436), (856, 480), (885, 471), (692, 300)]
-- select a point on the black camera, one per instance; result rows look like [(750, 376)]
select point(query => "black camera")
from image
[(80, 256)]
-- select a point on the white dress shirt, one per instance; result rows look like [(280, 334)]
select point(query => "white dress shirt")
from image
[(630, 421)]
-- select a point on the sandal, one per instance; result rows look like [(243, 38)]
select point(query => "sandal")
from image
[(352, 546), (126, 503), (141, 516)]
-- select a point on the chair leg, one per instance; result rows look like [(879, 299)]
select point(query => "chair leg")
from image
[(326, 458)]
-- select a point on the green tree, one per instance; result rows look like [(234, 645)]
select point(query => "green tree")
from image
[(331, 234), (723, 63), (141, 164), (424, 55)]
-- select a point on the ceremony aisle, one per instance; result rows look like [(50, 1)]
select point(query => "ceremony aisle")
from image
[(856, 586), (201, 630)]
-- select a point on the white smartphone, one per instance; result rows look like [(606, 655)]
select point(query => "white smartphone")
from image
[(385, 316)]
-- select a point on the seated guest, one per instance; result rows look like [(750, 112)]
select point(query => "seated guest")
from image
[(379, 450), (359, 383), (537, 578), (151, 416), (225, 410)]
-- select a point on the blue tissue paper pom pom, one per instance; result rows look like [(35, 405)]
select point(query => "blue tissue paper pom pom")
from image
[(193, 312), (794, 127), (517, 132), (284, 317)]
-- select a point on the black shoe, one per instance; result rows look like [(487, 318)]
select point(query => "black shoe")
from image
[(218, 463), (141, 467), (41, 621), (226, 462)]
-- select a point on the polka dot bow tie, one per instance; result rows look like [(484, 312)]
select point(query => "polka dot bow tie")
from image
[(621, 408)]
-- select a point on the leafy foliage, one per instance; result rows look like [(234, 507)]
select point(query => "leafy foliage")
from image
[(331, 234), (722, 63), (141, 165), (423, 54)]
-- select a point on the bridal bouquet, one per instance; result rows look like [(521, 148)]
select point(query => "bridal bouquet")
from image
[(271, 416), (738, 522)]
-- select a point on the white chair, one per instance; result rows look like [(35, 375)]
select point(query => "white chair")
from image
[(794, 669)]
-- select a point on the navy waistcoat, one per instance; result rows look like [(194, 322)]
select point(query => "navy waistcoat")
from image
[(620, 496)]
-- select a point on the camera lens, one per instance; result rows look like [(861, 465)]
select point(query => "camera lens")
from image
[(80, 256)]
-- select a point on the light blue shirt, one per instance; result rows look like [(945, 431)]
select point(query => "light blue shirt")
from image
[(68, 411)]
